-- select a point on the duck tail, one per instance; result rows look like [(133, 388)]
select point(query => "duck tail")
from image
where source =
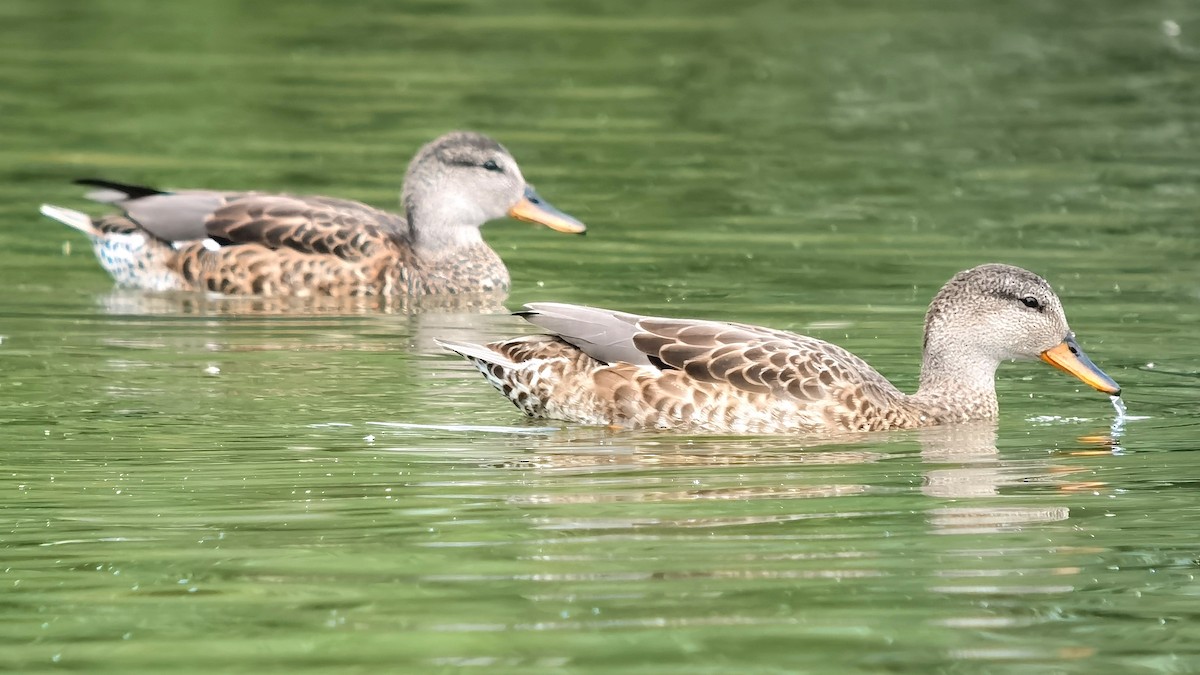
[(71, 218), (131, 258), (507, 366), (496, 368), (476, 354)]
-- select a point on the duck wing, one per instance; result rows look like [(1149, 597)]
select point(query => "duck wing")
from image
[(760, 360), (170, 216), (603, 334), (748, 358), (319, 225)]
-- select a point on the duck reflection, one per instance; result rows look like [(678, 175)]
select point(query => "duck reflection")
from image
[(961, 462), (975, 470), (124, 302), (303, 325)]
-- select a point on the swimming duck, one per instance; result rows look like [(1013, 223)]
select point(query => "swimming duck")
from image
[(599, 366), (239, 243)]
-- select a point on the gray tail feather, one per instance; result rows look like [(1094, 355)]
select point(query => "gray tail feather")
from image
[(603, 334), (106, 196), (79, 221), (475, 352)]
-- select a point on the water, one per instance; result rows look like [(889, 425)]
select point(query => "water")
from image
[(197, 484), (1119, 407)]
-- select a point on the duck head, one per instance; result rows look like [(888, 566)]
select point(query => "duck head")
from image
[(463, 179), (997, 312)]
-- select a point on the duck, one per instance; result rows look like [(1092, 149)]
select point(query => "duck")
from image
[(604, 367), (267, 244)]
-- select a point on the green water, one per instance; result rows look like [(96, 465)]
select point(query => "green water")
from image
[(191, 485)]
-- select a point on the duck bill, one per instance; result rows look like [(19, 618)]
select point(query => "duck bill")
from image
[(1069, 358), (534, 209)]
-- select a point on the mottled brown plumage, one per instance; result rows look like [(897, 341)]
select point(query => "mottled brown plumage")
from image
[(603, 367), (241, 243)]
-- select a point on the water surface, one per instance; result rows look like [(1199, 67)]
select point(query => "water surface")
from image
[(194, 484)]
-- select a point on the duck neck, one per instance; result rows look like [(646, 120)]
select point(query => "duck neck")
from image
[(439, 229), (957, 384)]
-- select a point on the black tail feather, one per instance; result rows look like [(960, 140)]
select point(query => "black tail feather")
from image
[(133, 191)]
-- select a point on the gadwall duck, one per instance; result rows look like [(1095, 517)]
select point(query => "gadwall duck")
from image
[(603, 367), (240, 243)]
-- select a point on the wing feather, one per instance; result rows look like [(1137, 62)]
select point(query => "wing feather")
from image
[(758, 360), (342, 228)]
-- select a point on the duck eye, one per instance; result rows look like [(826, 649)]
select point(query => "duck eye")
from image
[(491, 165), (1031, 302)]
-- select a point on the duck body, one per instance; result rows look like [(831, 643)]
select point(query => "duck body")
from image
[(255, 243), (274, 245), (747, 380), (599, 366)]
